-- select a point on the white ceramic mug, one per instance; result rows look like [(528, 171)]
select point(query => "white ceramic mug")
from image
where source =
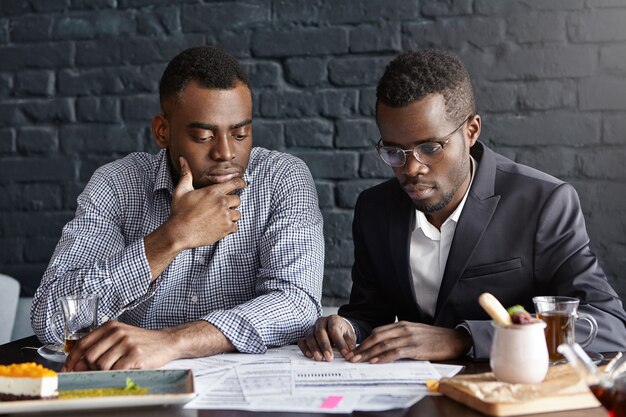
[(519, 354)]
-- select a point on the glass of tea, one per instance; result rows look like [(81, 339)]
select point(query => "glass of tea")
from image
[(79, 315), (560, 315)]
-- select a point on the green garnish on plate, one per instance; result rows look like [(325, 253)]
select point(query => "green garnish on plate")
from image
[(131, 388)]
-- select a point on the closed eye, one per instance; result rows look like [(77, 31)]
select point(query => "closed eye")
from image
[(239, 137), (202, 139), (429, 148)]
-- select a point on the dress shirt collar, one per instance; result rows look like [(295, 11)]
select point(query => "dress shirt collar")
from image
[(163, 180), (431, 231)]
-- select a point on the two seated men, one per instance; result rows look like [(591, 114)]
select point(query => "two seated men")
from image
[(213, 245)]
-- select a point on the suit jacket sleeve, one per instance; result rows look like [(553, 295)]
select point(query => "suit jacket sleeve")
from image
[(369, 307), (564, 265)]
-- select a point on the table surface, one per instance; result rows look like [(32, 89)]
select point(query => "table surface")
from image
[(24, 350)]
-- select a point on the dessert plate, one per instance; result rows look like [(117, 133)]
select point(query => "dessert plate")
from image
[(53, 353), (170, 386)]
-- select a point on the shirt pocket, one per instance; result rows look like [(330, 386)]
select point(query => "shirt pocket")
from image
[(238, 275)]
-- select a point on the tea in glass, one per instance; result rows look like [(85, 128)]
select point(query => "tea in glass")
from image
[(560, 315), (79, 315)]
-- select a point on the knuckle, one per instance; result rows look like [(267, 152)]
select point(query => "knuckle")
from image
[(135, 351), (90, 358)]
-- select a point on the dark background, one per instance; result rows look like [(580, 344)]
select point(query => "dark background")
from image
[(79, 78)]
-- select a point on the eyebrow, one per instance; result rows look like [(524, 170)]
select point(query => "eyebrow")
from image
[(210, 126)]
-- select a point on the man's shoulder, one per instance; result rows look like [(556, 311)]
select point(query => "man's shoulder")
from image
[(136, 165), (136, 161), (501, 175), (515, 173), (266, 162), (382, 194)]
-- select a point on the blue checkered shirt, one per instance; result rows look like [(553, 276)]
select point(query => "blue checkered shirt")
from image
[(260, 286)]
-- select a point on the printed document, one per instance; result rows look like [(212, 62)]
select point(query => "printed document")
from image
[(283, 379)]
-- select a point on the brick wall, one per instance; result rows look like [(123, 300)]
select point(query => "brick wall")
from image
[(78, 84)]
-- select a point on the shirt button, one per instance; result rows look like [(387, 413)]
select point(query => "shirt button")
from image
[(104, 319), (194, 299), (200, 260)]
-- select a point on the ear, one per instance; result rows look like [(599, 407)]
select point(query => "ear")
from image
[(473, 129), (160, 130)]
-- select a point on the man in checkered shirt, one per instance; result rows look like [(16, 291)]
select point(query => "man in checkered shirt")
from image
[(209, 246)]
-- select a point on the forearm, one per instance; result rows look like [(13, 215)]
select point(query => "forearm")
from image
[(161, 246), (272, 319), (121, 280), (198, 339)]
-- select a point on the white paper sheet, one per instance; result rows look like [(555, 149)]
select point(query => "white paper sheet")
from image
[(283, 379)]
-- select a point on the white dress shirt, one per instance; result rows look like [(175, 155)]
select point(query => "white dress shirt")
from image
[(429, 253)]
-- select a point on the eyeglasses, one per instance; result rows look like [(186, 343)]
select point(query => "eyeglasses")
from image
[(427, 153)]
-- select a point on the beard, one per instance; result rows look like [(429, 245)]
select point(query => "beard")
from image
[(427, 208), (458, 175)]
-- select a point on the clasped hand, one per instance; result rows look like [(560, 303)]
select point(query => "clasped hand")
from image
[(401, 340)]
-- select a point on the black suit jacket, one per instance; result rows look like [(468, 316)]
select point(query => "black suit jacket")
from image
[(521, 233)]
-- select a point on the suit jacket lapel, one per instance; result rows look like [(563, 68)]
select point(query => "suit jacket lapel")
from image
[(401, 225), (479, 208)]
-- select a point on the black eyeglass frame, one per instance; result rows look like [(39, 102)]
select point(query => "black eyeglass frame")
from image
[(441, 142)]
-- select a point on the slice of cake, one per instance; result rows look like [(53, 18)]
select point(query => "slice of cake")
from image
[(27, 381)]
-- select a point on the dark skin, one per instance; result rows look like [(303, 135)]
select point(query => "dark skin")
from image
[(208, 134), (428, 187)]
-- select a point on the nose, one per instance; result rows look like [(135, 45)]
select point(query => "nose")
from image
[(413, 167), (223, 149)]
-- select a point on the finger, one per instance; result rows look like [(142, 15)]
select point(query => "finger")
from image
[(321, 336), (128, 361), (81, 366), (314, 348), (350, 340), (98, 342), (232, 201), (231, 186), (81, 347), (379, 335), (304, 348), (104, 354), (392, 355), (392, 348), (119, 356), (337, 329), (185, 183)]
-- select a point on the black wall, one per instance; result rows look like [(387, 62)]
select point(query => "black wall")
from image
[(78, 84)]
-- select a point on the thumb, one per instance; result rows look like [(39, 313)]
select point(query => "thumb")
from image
[(185, 182)]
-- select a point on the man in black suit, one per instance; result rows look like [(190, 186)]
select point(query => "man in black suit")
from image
[(458, 220)]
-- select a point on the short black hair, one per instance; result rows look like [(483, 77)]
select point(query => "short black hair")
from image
[(414, 75), (209, 66)]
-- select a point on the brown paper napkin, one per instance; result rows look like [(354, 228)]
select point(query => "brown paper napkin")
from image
[(560, 380)]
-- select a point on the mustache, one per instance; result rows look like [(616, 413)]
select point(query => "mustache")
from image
[(412, 183)]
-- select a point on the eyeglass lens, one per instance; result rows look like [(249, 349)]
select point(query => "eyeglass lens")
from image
[(426, 153)]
